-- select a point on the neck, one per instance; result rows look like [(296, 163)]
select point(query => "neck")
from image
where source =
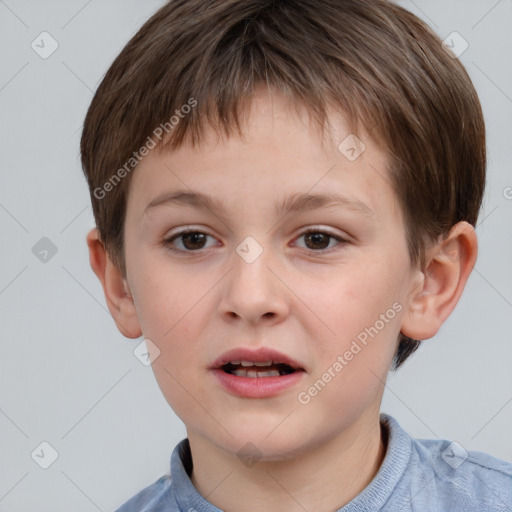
[(323, 478)]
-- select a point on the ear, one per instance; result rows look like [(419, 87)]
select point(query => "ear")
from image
[(115, 287), (439, 287)]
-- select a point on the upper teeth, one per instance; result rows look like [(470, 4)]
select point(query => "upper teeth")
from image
[(252, 363)]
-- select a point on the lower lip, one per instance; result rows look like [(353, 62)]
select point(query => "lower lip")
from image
[(257, 387)]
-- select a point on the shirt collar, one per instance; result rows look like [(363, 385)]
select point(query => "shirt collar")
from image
[(373, 497)]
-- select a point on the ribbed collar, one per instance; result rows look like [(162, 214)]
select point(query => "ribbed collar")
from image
[(373, 497)]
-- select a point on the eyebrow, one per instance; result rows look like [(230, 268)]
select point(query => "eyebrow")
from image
[(292, 203)]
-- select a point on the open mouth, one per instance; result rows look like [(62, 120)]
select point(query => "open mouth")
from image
[(257, 370), (261, 373)]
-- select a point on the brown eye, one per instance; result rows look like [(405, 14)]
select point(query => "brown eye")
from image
[(317, 240), (187, 241), (194, 240)]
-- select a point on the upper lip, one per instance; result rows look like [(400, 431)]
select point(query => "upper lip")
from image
[(259, 355)]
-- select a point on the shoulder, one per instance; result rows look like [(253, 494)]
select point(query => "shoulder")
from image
[(156, 497), (420, 475), (463, 480)]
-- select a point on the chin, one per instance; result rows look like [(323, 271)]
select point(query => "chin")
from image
[(265, 447)]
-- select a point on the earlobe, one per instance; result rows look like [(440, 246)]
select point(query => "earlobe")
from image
[(438, 289), (117, 292)]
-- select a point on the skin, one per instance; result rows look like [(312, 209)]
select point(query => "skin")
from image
[(305, 299)]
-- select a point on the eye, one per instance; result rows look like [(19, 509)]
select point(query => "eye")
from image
[(318, 240), (191, 241)]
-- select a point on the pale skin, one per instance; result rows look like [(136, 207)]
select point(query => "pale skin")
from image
[(304, 297)]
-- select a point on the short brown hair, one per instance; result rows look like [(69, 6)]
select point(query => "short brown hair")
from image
[(375, 61)]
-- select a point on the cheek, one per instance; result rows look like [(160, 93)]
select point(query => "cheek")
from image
[(174, 309), (356, 295), (166, 299), (361, 307), (180, 392)]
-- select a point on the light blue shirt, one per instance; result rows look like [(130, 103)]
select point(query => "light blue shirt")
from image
[(416, 475)]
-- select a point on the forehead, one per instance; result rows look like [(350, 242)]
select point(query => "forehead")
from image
[(282, 152)]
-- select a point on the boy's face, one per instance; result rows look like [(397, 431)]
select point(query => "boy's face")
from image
[(308, 297)]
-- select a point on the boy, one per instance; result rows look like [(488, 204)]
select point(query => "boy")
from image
[(285, 195)]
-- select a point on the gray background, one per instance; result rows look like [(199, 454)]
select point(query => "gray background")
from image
[(68, 377)]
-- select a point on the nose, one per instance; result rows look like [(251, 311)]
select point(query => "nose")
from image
[(253, 291)]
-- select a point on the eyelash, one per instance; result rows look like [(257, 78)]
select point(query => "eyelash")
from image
[(167, 243)]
